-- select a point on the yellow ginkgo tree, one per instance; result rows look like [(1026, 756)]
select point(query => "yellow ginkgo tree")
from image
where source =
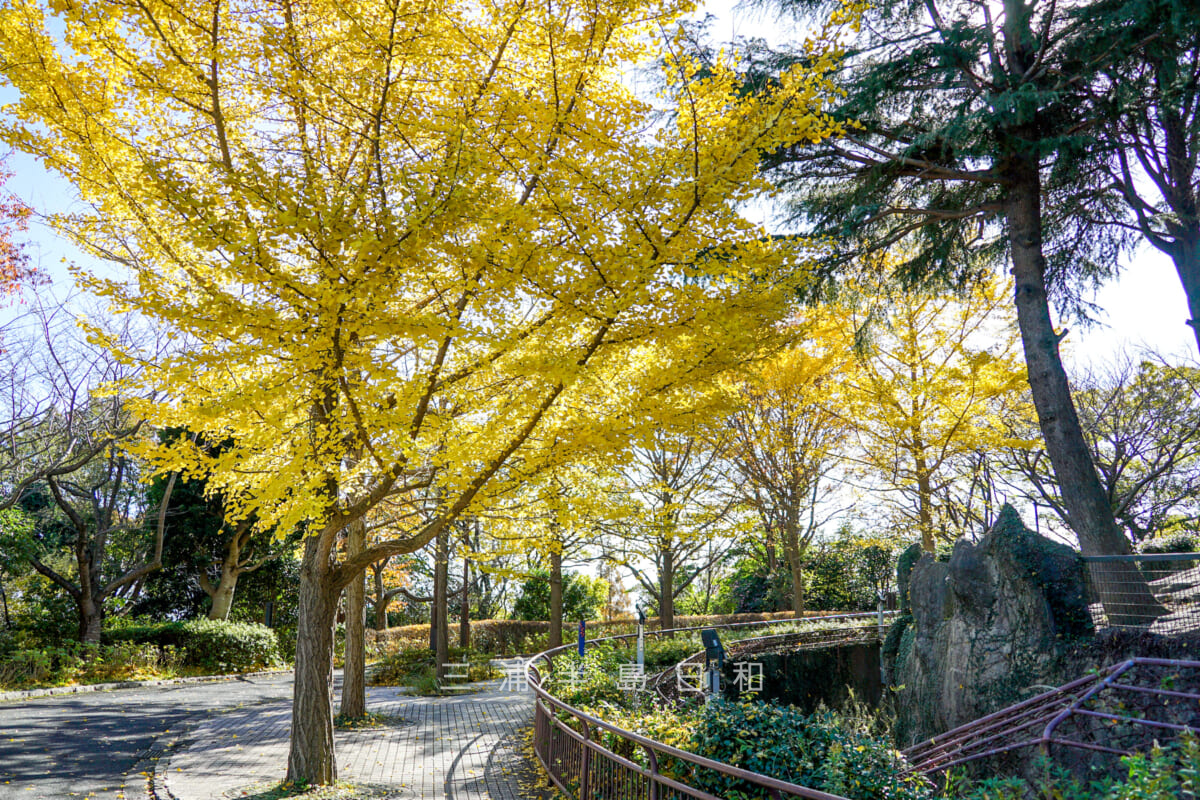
[(786, 436), (937, 373), (404, 244)]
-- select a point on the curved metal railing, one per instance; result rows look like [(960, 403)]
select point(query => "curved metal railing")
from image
[(565, 741), (1067, 717)]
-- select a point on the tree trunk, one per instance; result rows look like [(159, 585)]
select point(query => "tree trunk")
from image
[(441, 604), (795, 564), (1186, 257), (924, 499), (1088, 510), (88, 606), (1184, 222), (381, 612), (222, 595), (382, 600), (464, 618), (91, 619), (311, 758), (666, 586), (354, 678), (4, 600), (556, 600), (222, 601)]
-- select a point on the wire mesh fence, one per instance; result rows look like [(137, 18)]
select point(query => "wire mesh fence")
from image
[(1159, 592)]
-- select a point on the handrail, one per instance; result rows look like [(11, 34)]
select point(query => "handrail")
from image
[(1017, 727), (545, 702), (1142, 557), (762, 623)]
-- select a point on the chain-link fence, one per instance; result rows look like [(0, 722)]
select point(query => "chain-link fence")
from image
[(1159, 592)]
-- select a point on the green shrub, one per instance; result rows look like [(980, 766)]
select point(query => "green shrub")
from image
[(663, 653), (230, 646), (817, 751), (1173, 543), (425, 682), (508, 637), (74, 663), (1170, 772), (590, 682), (208, 644), (24, 668), (401, 667), (285, 637)]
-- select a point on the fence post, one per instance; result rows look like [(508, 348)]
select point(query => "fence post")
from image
[(585, 761), (653, 759), (879, 608)]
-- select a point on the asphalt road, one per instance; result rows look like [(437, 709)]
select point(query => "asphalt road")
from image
[(83, 745)]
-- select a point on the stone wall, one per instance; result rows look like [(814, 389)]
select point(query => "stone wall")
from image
[(808, 678)]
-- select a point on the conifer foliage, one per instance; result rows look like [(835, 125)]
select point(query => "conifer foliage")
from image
[(967, 143)]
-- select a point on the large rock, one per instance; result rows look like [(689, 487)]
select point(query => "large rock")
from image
[(988, 629)]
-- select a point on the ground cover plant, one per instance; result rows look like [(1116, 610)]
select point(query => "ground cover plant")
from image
[(1166, 772), (73, 663), (417, 667), (139, 651)]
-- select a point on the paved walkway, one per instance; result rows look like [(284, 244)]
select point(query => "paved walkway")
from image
[(460, 748), (85, 745)]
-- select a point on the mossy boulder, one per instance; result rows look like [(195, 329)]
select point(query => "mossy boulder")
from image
[(988, 629)]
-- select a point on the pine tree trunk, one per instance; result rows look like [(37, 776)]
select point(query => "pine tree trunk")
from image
[(1183, 224), (311, 757), (1186, 257), (1089, 512), (354, 680), (556, 600)]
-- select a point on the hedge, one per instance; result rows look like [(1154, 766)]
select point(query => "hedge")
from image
[(506, 637), (213, 645)]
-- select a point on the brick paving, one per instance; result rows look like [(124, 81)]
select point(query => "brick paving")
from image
[(459, 748)]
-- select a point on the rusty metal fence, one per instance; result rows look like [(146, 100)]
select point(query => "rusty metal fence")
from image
[(1159, 592), (588, 758), (1106, 714)]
